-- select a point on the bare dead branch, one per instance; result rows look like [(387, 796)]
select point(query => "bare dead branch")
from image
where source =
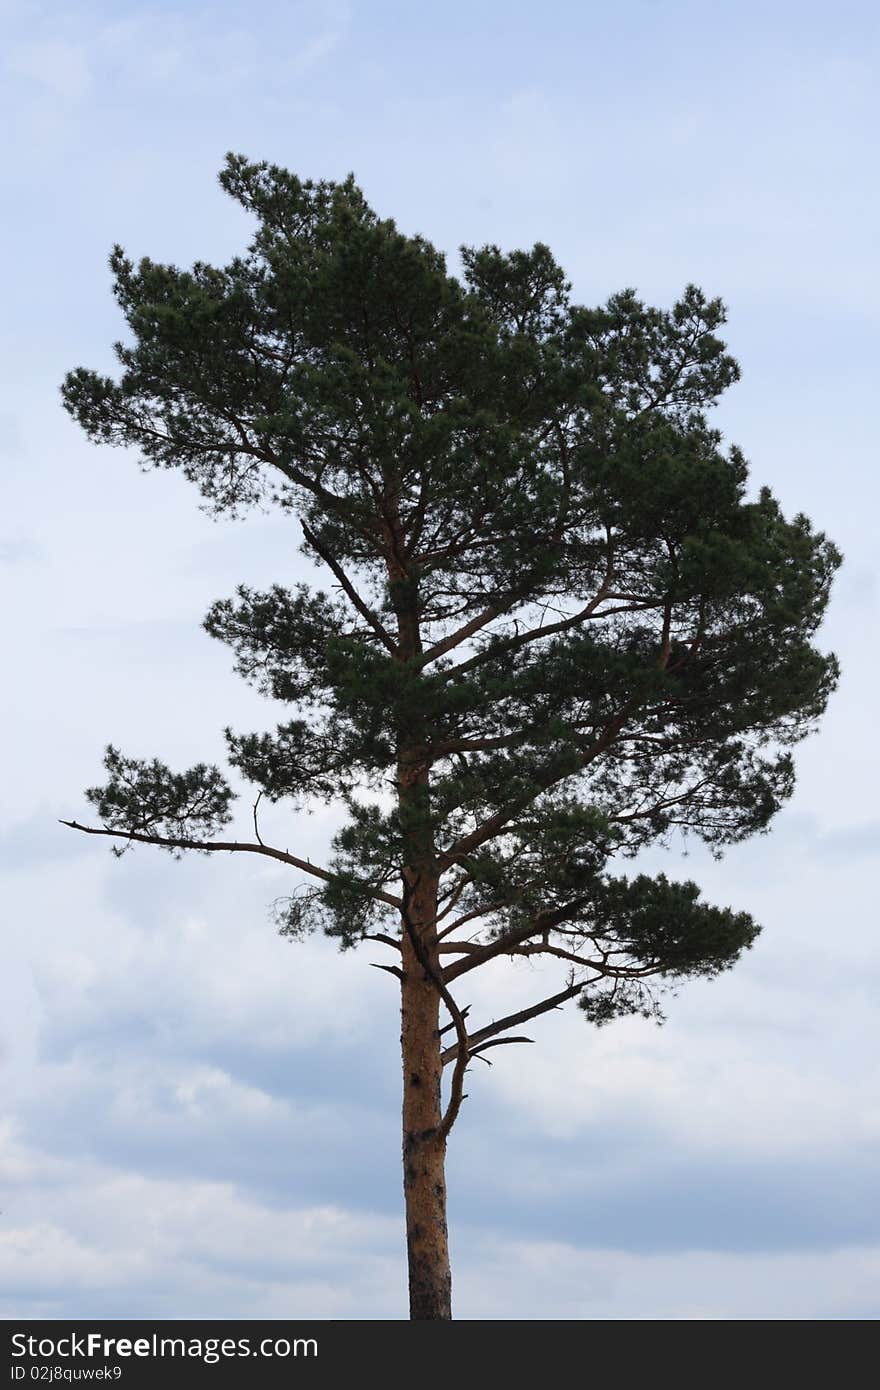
[(448, 1026), (256, 826), (392, 969), (498, 1042), (502, 1024), (381, 936)]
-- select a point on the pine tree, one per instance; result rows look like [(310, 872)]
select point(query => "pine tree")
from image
[(555, 629)]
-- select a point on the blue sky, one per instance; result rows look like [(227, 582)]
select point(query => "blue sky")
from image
[(203, 1119)]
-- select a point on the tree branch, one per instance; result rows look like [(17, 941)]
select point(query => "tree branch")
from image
[(502, 946), (502, 1024), (380, 936), (345, 583), (499, 1042), (461, 634), (521, 639), (490, 827), (616, 972), (256, 823), (450, 947), (391, 969), (229, 846)]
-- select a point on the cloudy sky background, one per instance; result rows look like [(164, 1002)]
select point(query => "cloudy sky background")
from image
[(202, 1119)]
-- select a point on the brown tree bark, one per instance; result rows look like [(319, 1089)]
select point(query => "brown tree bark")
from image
[(424, 1133), (424, 1150)]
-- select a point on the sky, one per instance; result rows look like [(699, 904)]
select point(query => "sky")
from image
[(201, 1119)]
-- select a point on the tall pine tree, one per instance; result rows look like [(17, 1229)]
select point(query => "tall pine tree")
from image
[(555, 628)]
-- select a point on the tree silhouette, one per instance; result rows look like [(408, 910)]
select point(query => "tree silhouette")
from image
[(556, 629)]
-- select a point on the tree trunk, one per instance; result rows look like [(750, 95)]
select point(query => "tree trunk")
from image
[(424, 1155), (424, 1151)]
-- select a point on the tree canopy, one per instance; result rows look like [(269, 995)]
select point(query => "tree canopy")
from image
[(613, 640)]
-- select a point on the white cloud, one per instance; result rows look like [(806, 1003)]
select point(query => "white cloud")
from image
[(119, 1244), (109, 1240), (198, 1061), (567, 1283)]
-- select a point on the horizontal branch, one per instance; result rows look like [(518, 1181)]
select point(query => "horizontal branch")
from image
[(229, 847), (476, 954), (381, 936), (602, 968), (518, 943), (498, 1042)]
